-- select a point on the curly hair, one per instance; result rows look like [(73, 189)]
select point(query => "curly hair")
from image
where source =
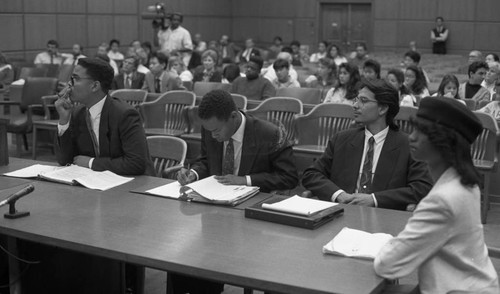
[(420, 83), (218, 104), (453, 148), (351, 90)]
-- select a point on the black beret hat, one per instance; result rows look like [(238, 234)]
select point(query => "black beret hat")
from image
[(450, 113)]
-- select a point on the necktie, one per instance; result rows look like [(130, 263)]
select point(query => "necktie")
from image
[(51, 59), (365, 182), (157, 85), (92, 134), (128, 84), (228, 166)]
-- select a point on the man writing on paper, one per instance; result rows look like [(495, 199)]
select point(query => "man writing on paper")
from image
[(240, 150), (370, 165), (101, 132)]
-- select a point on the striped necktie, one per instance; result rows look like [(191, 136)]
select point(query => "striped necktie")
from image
[(228, 165), (365, 181)]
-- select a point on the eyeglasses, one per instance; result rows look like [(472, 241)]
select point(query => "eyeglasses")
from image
[(74, 79), (363, 100)]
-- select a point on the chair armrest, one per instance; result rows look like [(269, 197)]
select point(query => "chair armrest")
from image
[(170, 172), (4, 102)]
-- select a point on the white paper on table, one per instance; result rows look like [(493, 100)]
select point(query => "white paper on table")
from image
[(299, 205), (171, 190), (32, 171)]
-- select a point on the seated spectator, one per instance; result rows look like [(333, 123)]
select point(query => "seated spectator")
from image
[(448, 87), (228, 49), (51, 56), (208, 72), (276, 47), (230, 73), (135, 44), (249, 51), (6, 72), (283, 79), (129, 78), (315, 57), (198, 44), (335, 54), (371, 69), (412, 46), (253, 86), (114, 51), (413, 58), (177, 67), (396, 78), (325, 77), (102, 53), (493, 108), (472, 88), (474, 55), (158, 80), (148, 48), (359, 56), (370, 165), (346, 90), (491, 57), (143, 58), (415, 81), (270, 74), (76, 53), (491, 78), (297, 56)]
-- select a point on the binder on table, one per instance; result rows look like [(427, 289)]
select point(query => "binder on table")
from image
[(306, 219)]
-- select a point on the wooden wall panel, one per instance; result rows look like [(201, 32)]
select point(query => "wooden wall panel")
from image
[(456, 9), (385, 33), (387, 9), (208, 8), (99, 6), (126, 29), (272, 27), (11, 6), (35, 37), (488, 10), (72, 29), (305, 31), (421, 9), (461, 36), (277, 8), (245, 27), (414, 31), (100, 29), (245, 8), (306, 8), (11, 30), (72, 6), (146, 32), (484, 39), (218, 26), (39, 6), (125, 6)]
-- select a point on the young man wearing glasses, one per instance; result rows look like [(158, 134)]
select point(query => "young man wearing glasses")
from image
[(370, 165), (100, 132)]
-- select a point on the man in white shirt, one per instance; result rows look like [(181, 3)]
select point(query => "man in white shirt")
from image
[(176, 38), (51, 56), (270, 74), (72, 58)]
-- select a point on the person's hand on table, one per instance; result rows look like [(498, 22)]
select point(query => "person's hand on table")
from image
[(344, 198), (81, 160), (185, 176), (231, 180), (362, 199)]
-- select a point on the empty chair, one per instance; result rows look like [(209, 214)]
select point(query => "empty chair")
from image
[(32, 72), (133, 97), (281, 111), (168, 154), (167, 114), (49, 122), (402, 119), (240, 101), (306, 95), (202, 88), (52, 69), (485, 156)]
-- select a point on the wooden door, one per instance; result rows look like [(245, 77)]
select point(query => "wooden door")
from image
[(346, 24)]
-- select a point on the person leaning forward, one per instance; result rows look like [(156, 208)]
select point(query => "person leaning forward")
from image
[(350, 171)]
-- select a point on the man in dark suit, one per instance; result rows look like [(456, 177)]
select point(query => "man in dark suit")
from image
[(159, 80), (240, 150), (102, 132), (370, 165), (129, 77), (250, 51), (227, 49)]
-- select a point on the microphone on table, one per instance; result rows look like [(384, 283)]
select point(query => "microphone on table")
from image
[(11, 200)]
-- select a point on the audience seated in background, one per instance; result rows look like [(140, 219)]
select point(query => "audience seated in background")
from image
[(413, 58), (396, 78), (474, 55), (449, 87), (114, 51), (415, 81), (371, 69), (148, 48), (346, 90), (493, 108), (276, 47), (297, 55), (158, 80), (283, 79), (102, 53), (472, 88), (253, 86), (143, 58), (208, 72), (335, 53), (359, 56), (177, 67), (270, 74), (129, 78), (228, 49), (491, 77), (6, 72), (315, 57), (250, 50), (370, 165), (51, 55), (325, 77), (230, 72), (491, 57), (76, 53), (198, 44)]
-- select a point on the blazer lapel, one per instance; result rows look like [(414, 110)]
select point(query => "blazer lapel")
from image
[(104, 129), (352, 170), (249, 149), (386, 162)]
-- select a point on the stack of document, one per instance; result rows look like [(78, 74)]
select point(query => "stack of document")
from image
[(356, 243), (207, 190), (299, 205), (72, 175)]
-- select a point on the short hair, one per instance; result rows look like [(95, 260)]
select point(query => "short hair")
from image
[(3, 58), (439, 18), (373, 64), (285, 56), (257, 60), (162, 58), (324, 43), (210, 53), (148, 45), (218, 104), (231, 72), (98, 70), (449, 78), (295, 43), (495, 56), (287, 49), (329, 63), (135, 59), (114, 41), (103, 57), (53, 42), (173, 59), (362, 45), (476, 65), (278, 38), (413, 55), (180, 15), (280, 64), (385, 94)]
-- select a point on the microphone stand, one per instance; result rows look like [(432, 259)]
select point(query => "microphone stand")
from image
[(13, 213)]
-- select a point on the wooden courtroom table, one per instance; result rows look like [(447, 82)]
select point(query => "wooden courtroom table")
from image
[(207, 241)]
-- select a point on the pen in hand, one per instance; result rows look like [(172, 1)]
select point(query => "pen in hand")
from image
[(184, 176)]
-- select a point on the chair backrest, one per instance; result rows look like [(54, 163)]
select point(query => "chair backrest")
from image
[(280, 111), (471, 103), (35, 88), (52, 69), (486, 145), (188, 85), (482, 104), (240, 101), (323, 121), (49, 108), (306, 95), (27, 72), (193, 119), (65, 72), (166, 151), (168, 111), (133, 97), (202, 88), (402, 119)]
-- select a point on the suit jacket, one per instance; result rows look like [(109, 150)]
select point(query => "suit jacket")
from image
[(231, 51), (216, 76), (137, 81), (398, 181), (122, 143), (241, 59), (265, 157), (444, 240), (168, 82), (481, 94)]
